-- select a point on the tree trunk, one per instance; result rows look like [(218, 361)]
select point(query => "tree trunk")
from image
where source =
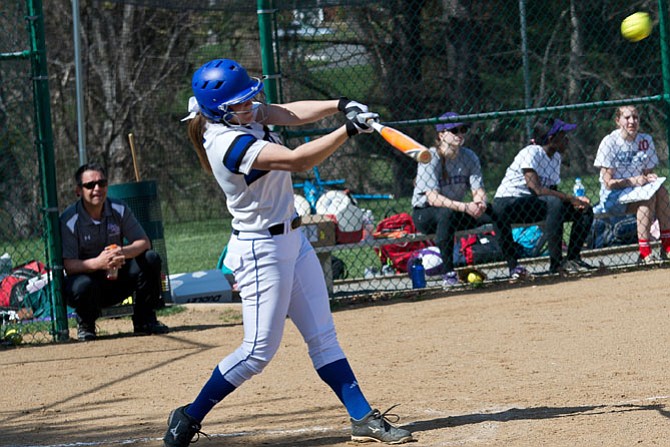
[(579, 161)]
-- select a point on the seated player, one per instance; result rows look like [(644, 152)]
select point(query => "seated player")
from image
[(529, 193), (439, 199), (627, 158)]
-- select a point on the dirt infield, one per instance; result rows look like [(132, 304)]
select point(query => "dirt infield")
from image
[(572, 363)]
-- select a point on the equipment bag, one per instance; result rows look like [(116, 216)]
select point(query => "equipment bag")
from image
[(481, 247), (530, 241), (13, 286), (397, 255), (611, 231)]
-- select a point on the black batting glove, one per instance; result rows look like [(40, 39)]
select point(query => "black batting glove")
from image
[(351, 108)]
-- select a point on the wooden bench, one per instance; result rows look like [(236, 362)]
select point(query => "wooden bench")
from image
[(324, 253), (325, 256)]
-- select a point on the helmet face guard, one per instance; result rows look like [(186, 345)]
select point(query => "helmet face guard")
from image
[(221, 83)]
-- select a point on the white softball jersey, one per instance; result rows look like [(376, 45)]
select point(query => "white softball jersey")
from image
[(532, 157), (626, 158), (256, 199), (277, 275)]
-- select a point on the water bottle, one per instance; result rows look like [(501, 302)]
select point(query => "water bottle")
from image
[(368, 225), (418, 274), (5, 264), (112, 272), (578, 190)]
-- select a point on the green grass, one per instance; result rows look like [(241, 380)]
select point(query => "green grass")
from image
[(230, 316), (23, 250), (356, 260), (195, 246), (170, 310)]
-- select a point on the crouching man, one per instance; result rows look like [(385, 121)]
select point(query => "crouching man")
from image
[(100, 270)]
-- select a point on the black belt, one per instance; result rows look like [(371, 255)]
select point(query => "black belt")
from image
[(277, 229)]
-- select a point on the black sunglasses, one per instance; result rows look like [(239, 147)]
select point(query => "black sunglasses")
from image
[(90, 185), (462, 130)]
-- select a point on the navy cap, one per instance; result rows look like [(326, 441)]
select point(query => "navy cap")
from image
[(560, 126), (440, 127)]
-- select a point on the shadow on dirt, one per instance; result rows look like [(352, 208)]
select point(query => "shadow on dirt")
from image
[(517, 414)]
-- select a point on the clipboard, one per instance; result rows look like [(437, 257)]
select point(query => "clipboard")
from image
[(640, 193)]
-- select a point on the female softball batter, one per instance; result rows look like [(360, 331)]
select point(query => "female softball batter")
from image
[(277, 271)]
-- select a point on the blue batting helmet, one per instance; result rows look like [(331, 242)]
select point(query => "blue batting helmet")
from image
[(221, 83)]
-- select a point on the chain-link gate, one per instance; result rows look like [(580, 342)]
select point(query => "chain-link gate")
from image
[(502, 65)]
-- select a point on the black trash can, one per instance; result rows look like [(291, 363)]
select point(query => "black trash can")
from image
[(142, 198)]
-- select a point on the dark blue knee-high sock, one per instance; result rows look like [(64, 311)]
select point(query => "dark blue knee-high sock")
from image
[(211, 394), (339, 376)]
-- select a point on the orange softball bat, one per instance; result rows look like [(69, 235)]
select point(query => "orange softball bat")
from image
[(403, 143)]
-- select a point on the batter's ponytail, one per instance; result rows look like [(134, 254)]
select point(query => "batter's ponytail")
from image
[(196, 132)]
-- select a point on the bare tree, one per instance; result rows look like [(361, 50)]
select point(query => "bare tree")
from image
[(20, 193), (128, 71), (579, 156)]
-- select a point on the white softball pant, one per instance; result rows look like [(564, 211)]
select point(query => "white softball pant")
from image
[(277, 277)]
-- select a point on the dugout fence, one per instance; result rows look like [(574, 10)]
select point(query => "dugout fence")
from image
[(501, 64), (29, 215)]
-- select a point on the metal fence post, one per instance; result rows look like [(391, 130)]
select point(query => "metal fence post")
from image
[(665, 64), (44, 145), (265, 13)]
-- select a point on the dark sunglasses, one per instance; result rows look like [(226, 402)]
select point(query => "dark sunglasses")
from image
[(90, 185), (462, 130)]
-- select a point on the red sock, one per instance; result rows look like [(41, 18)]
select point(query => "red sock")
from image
[(665, 240), (645, 248)]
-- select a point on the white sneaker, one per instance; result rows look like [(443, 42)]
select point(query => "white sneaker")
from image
[(375, 427)]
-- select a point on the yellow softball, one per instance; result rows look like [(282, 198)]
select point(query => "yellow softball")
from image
[(474, 278), (13, 336), (636, 26)]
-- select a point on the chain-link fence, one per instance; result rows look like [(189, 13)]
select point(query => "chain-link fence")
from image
[(507, 68), (502, 65), (30, 305)]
